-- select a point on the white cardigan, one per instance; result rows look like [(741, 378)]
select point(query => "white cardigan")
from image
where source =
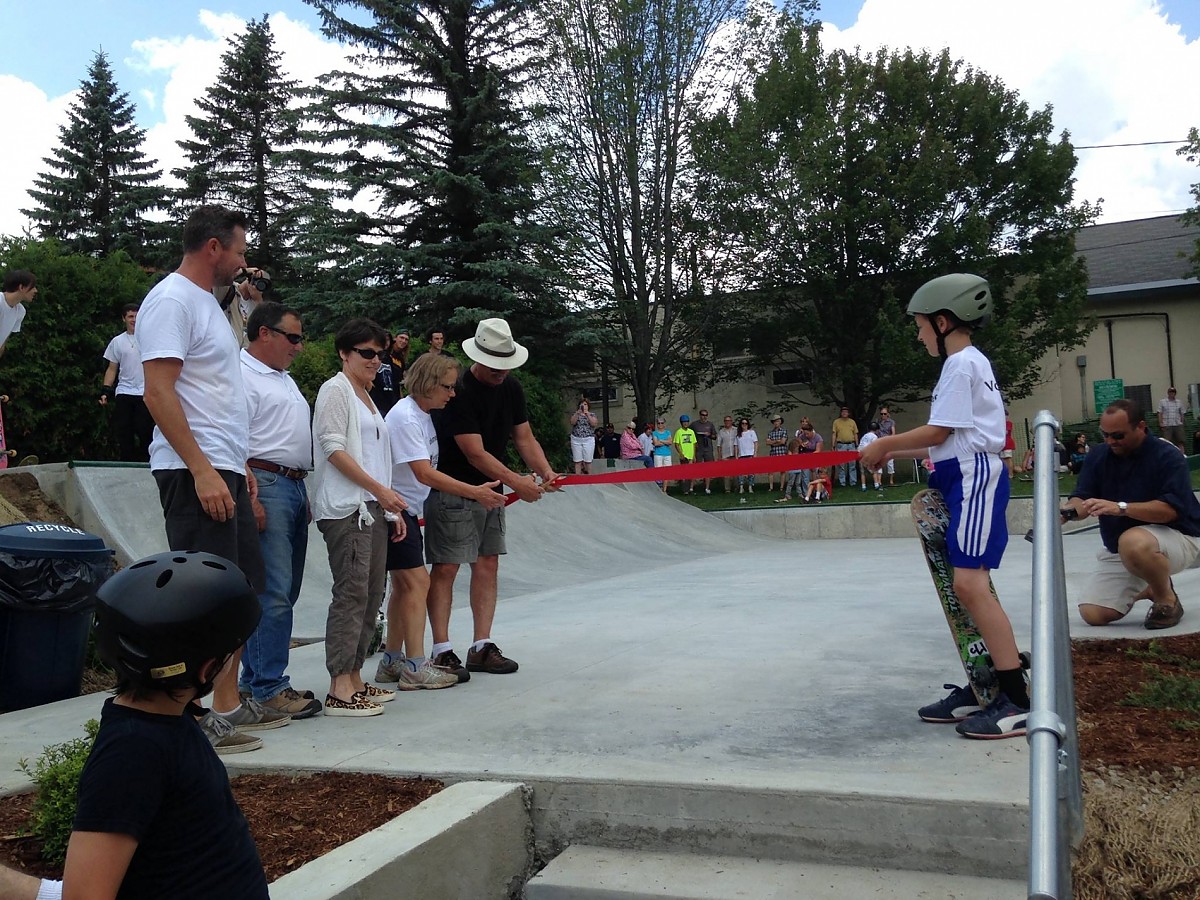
[(336, 427)]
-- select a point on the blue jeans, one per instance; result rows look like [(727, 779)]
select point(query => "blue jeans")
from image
[(284, 544), (850, 468)]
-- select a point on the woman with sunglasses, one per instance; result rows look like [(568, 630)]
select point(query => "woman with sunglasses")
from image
[(353, 504)]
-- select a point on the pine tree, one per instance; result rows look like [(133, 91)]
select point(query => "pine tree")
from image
[(243, 151), (100, 187), (438, 150)]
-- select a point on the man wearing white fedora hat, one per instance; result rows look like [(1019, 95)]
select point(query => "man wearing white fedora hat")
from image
[(473, 432)]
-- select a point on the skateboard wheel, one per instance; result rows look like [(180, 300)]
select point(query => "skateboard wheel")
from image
[(985, 677)]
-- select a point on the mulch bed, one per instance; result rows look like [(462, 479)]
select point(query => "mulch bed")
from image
[(294, 819)]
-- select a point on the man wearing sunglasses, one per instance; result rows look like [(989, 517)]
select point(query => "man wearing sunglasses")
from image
[(281, 457), (1140, 489)]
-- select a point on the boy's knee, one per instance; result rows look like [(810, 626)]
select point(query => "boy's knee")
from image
[(1098, 615)]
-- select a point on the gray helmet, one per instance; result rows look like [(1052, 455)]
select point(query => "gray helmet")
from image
[(966, 297)]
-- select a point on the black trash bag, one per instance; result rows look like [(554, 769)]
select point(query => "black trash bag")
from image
[(51, 568)]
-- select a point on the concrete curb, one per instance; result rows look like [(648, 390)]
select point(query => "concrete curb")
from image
[(886, 519), (472, 839)]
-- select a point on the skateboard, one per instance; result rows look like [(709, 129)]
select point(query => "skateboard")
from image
[(5, 453), (931, 517)]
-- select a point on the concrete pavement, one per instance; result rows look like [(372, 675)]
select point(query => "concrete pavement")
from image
[(658, 646)]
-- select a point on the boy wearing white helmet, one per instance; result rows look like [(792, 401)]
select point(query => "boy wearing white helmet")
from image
[(963, 438)]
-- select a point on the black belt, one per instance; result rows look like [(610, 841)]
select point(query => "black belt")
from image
[(294, 474)]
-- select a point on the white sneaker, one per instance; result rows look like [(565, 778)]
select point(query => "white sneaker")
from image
[(427, 677)]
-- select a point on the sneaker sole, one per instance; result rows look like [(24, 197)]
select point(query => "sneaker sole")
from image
[(424, 686), (263, 726), (942, 721), (342, 712), (492, 671), (239, 747), (994, 737)]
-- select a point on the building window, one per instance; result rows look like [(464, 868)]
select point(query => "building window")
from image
[(596, 394), (795, 375)]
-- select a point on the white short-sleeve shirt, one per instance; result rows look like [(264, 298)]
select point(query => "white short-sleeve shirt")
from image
[(968, 400), (413, 437), (280, 430), (123, 350), (11, 318), (179, 320)]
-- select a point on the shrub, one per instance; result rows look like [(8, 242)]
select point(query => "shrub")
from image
[(56, 774)]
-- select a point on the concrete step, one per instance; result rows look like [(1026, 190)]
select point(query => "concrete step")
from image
[(597, 873)]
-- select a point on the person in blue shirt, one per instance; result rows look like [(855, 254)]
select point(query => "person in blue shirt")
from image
[(1140, 488)]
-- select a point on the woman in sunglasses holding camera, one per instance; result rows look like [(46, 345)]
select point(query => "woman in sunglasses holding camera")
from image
[(355, 509)]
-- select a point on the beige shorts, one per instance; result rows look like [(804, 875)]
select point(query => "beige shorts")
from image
[(1112, 585)]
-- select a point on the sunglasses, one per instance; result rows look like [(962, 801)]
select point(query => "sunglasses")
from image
[(292, 338), (1113, 435), (368, 353), (452, 387)]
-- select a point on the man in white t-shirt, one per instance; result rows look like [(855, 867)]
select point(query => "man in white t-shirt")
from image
[(201, 439), (871, 436), (20, 286), (281, 458), (124, 385)]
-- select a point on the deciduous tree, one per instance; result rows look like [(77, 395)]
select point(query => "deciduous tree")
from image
[(839, 183)]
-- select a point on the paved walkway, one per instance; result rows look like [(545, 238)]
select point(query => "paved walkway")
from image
[(657, 643)]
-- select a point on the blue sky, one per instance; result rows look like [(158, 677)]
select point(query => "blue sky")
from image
[(1114, 71)]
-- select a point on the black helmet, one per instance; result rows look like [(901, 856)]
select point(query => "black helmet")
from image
[(159, 619)]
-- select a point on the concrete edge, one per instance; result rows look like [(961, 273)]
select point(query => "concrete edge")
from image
[(946, 836), (955, 837), (473, 839)]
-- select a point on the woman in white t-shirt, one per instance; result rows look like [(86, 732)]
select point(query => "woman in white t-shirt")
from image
[(747, 445), (431, 381), (352, 505)]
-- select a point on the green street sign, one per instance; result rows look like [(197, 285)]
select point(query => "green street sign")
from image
[(1106, 391)]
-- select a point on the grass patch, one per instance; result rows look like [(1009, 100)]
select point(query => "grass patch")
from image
[(1156, 653), (1169, 691)]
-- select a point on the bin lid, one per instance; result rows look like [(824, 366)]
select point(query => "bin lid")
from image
[(47, 539)]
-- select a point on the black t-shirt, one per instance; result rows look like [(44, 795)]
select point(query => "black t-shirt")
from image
[(610, 445), (385, 391), (490, 412), (1155, 471), (157, 778)]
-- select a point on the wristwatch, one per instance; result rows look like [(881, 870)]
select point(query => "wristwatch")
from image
[(1123, 507)]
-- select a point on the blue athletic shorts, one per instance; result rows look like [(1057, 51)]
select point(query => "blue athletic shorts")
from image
[(976, 492)]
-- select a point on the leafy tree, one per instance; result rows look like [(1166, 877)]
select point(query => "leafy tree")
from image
[(430, 137), (244, 150), (838, 184), (53, 367), (1191, 150), (100, 187), (631, 76)]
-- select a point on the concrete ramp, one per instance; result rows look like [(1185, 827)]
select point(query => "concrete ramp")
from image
[(570, 538)]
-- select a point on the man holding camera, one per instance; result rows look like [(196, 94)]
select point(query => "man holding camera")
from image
[(1140, 488), (240, 298)]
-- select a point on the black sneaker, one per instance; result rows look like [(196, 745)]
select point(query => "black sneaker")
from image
[(1002, 719), (490, 660), (449, 661), (960, 704)]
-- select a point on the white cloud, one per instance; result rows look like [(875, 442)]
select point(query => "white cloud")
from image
[(1115, 71), (184, 66), (35, 120)]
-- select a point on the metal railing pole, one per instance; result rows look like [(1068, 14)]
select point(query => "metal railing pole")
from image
[(1051, 767)]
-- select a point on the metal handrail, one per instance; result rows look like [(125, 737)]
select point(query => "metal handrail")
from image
[(1055, 788)]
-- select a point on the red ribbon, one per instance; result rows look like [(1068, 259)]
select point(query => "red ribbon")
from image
[(726, 468)]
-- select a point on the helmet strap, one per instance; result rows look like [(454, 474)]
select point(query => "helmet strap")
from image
[(942, 335)]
